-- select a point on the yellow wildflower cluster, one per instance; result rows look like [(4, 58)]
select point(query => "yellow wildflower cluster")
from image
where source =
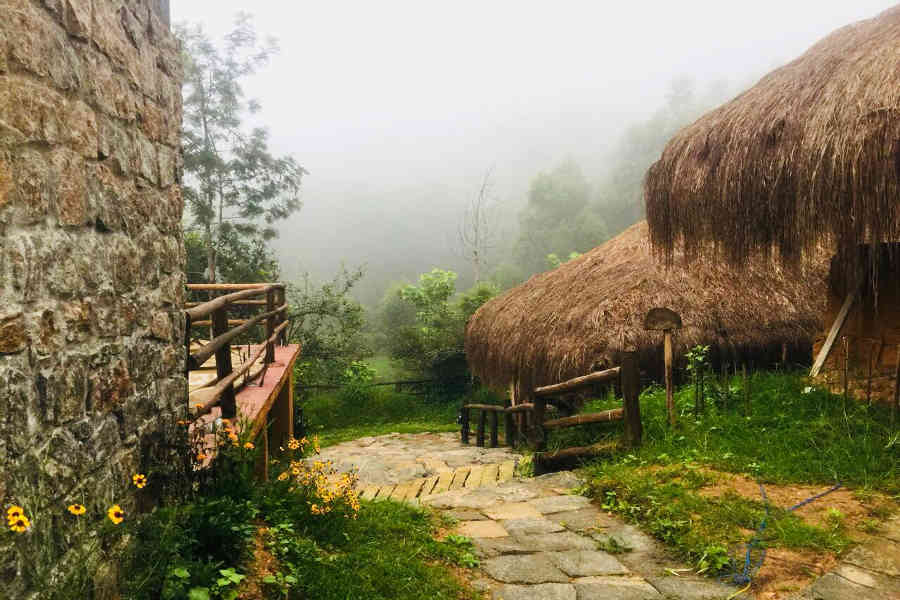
[(17, 520), (326, 490)]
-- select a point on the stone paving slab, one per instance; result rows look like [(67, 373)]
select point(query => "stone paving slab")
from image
[(546, 591), (587, 563), (531, 526), (615, 588), (692, 588), (523, 568), (482, 529)]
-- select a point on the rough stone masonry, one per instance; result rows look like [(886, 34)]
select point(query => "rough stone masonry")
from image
[(91, 263)]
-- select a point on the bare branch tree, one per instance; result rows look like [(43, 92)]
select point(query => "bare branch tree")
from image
[(478, 226)]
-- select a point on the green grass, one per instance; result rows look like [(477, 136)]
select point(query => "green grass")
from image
[(388, 553), (791, 436), (352, 413)]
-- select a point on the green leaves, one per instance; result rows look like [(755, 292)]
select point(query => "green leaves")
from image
[(234, 187)]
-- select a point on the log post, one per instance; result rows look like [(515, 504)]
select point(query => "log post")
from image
[(537, 423), (670, 391), (464, 430), (270, 326), (479, 433), (746, 389), (846, 345), (895, 407), (494, 423), (219, 320), (509, 429), (631, 390), (665, 320)]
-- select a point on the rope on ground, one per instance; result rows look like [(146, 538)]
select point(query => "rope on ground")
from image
[(751, 565)]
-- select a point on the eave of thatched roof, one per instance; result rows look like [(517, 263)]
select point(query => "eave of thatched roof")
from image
[(809, 154), (578, 317)]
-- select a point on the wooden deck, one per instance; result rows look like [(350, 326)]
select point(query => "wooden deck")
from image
[(256, 399)]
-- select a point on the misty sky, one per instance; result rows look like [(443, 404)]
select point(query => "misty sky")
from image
[(405, 103)]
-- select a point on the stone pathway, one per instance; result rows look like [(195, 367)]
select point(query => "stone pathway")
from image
[(538, 541)]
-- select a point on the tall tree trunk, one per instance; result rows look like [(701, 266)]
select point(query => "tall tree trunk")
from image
[(210, 256)]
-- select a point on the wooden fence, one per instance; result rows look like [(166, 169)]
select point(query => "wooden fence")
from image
[(225, 332), (527, 420)]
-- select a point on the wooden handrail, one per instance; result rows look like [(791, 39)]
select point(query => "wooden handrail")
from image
[(616, 414), (222, 385), (207, 323), (236, 303), (207, 308), (224, 287), (578, 382), (487, 407), (202, 355)]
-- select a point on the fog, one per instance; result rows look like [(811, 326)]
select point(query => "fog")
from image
[(396, 109)]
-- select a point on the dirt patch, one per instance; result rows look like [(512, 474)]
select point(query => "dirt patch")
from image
[(855, 510), (786, 572), (263, 563)]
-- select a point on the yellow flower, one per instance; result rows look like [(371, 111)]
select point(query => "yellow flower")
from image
[(201, 457), (20, 524), (233, 436), (293, 444), (139, 480), (248, 445), (15, 512), (115, 514), (198, 406), (76, 509), (283, 476)]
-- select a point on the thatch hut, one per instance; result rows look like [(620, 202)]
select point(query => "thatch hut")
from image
[(808, 156), (577, 318)]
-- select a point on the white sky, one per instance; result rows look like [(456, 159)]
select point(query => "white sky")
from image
[(382, 93)]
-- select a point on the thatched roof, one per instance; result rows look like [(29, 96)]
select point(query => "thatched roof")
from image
[(576, 318), (809, 154)]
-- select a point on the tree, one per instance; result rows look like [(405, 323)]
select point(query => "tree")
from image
[(234, 186), (477, 230), (558, 218), (328, 323)]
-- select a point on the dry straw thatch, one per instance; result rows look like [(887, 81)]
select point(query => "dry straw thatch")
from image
[(577, 318), (809, 154)]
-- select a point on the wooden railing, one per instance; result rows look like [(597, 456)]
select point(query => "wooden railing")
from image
[(527, 420), (225, 332)]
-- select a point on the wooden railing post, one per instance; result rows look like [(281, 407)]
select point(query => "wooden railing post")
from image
[(270, 326), (479, 435), (494, 436), (509, 429), (631, 390), (223, 362), (464, 430), (281, 299)]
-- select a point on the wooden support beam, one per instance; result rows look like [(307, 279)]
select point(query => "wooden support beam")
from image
[(836, 327), (270, 325), (494, 425), (479, 434), (577, 382), (509, 429), (631, 390), (464, 429), (670, 388), (616, 414), (223, 364)]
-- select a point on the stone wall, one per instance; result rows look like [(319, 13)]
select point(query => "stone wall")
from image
[(91, 264)]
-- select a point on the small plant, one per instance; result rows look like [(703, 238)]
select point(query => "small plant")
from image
[(613, 545), (714, 560), (465, 556), (281, 582)]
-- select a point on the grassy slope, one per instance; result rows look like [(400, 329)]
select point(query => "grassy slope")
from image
[(789, 437)]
